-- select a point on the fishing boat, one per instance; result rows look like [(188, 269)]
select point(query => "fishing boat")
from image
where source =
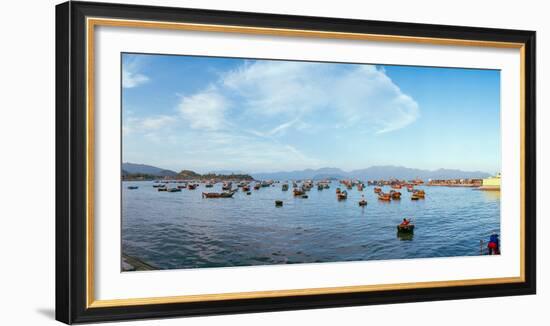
[(285, 187), (363, 202), (419, 193), (320, 187), (246, 188), (278, 203), (342, 195), (414, 197), (384, 197), (225, 194), (360, 187), (257, 186), (410, 188), (395, 194), (249, 193), (227, 186), (182, 186), (174, 189), (338, 190), (157, 185), (162, 189), (298, 192), (209, 185), (133, 187), (377, 190), (192, 186)]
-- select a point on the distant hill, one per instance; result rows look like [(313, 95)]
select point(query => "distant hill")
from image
[(372, 173), (132, 168)]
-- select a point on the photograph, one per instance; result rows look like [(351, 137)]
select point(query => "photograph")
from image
[(232, 162)]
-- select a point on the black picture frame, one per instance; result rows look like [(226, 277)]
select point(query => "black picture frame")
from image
[(71, 158)]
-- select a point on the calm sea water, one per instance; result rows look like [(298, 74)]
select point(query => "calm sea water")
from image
[(183, 230)]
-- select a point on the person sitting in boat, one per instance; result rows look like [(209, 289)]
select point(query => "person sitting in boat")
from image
[(405, 222)]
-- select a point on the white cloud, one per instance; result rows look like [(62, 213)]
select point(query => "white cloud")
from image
[(345, 94), (204, 110), (131, 77), (256, 117)]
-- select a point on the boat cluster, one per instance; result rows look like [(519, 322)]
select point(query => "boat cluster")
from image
[(299, 188)]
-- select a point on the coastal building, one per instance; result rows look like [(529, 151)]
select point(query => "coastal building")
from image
[(491, 183)]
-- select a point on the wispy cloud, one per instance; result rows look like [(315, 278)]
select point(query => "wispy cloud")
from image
[(131, 75), (148, 124), (204, 110), (270, 114), (345, 94)]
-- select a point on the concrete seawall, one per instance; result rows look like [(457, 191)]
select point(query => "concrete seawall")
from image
[(130, 263)]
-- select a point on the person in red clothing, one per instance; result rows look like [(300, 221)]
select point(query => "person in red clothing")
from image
[(405, 222)]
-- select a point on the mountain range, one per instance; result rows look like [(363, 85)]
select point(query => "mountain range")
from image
[(372, 173)]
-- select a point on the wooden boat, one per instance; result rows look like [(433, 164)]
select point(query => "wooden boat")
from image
[(246, 188), (227, 186), (342, 195), (409, 228), (182, 186), (257, 186), (419, 193), (285, 187), (162, 189), (338, 190), (298, 192), (174, 190), (156, 185), (377, 190), (249, 193), (410, 188), (363, 202), (225, 194), (278, 203), (395, 194), (384, 197), (414, 197), (209, 185), (133, 187), (192, 186), (320, 187), (360, 187), (305, 196)]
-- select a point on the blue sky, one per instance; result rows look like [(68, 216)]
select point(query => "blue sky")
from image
[(208, 114)]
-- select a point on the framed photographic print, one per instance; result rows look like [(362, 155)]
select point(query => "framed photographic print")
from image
[(215, 162)]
